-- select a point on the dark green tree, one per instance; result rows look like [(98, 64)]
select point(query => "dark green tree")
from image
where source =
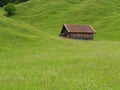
[(4, 2), (10, 9), (19, 1)]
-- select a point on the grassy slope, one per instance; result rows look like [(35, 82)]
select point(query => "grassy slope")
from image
[(102, 15), (32, 56)]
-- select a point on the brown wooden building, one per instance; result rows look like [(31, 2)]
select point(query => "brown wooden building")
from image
[(84, 32)]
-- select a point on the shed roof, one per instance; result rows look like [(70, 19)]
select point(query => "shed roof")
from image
[(79, 28)]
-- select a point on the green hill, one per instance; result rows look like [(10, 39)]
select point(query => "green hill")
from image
[(34, 57), (50, 15)]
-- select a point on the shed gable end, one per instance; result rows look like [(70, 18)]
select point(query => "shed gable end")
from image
[(64, 31)]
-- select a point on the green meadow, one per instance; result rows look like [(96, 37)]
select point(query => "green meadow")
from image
[(34, 57)]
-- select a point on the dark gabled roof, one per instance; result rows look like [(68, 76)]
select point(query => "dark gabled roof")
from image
[(79, 28)]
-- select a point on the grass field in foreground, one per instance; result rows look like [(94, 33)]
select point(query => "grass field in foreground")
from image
[(34, 57), (62, 66)]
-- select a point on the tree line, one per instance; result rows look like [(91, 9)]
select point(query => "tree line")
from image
[(4, 2), (9, 6)]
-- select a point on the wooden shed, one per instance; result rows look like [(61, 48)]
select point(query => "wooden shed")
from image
[(74, 31)]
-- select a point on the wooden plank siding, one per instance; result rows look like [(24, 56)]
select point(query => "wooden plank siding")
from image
[(80, 36)]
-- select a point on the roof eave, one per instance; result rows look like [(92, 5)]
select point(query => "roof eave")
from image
[(66, 27), (84, 32), (92, 29)]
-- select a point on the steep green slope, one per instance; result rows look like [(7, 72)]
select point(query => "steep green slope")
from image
[(15, 33), (108, 28), (51, 15), (34, 57)]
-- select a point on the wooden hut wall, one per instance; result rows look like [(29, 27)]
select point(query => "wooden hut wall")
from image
[(81, 36), (67, 35)]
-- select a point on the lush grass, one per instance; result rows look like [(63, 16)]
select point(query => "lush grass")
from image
[(33, 57), (62, 66), (102, 15)]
